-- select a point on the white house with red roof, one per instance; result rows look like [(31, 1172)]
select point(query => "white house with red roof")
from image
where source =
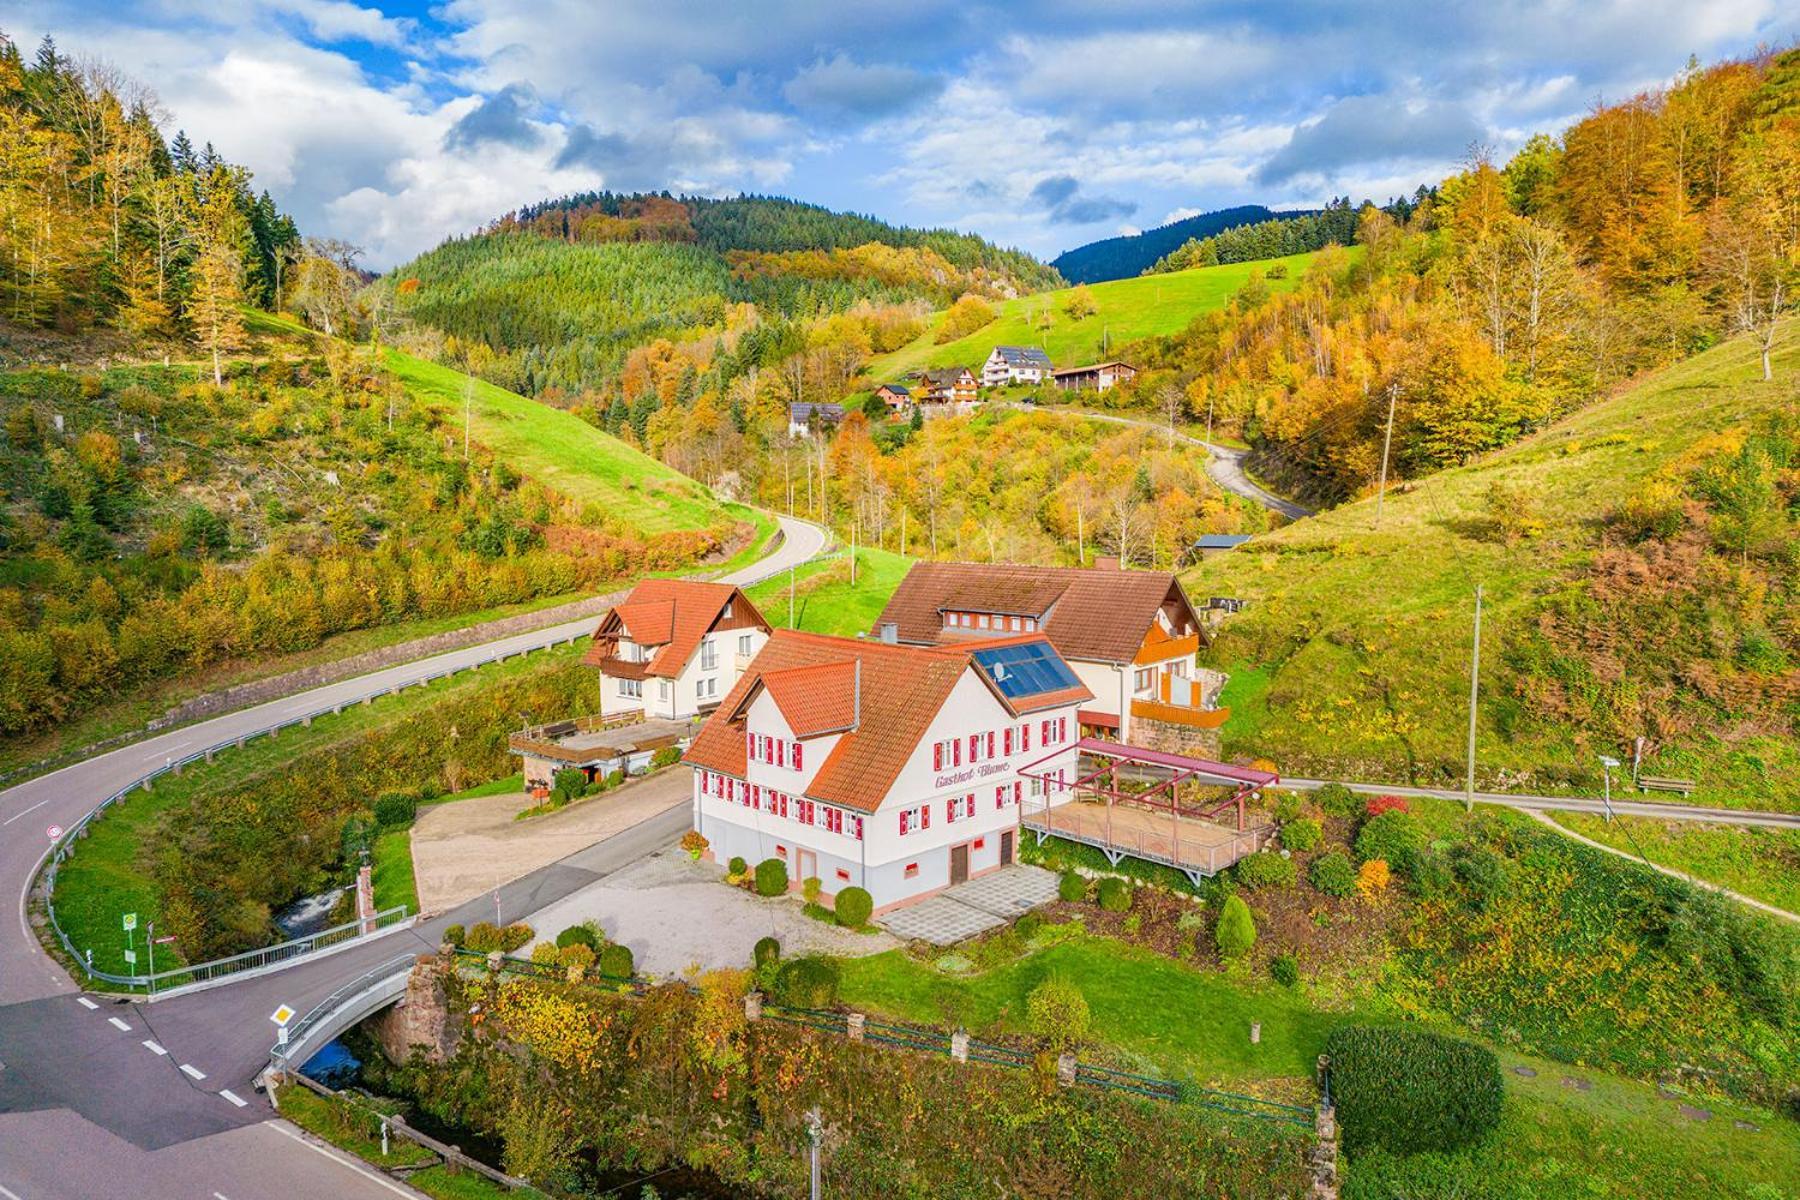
[(899, 769), (675, 647)]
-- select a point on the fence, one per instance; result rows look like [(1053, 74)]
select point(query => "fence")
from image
[(64, 848), (295, 1035)]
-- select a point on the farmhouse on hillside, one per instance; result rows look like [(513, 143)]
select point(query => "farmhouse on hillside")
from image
[(1015, 364), (805, 419), (947, 386), (674, 647), (898, 769), (897, 397), (1130, 636), (1096, 377)]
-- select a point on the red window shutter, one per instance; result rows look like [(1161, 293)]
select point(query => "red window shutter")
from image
[(796, 756), (859, 822), (905, 825), (937, 756), (925, 817), (956, 752), (990, 743), (1006, 742), (749, 745), (1018, 791), (1025, 735)]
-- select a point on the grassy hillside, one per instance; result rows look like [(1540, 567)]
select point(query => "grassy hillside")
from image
[(1352, 656), (824, 599), (1128, 309)]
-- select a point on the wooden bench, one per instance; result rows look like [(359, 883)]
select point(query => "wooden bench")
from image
[(1651, 783)]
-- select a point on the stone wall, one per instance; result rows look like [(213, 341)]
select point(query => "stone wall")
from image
[(1171, 738), (421, 1018)]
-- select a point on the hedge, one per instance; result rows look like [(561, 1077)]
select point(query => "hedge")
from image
[(807, 982), (1265, 869), (1410, 1090), (854, 907)]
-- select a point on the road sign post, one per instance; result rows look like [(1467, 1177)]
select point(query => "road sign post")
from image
[(281, 1017)]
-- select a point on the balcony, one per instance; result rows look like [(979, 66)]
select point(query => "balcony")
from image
[(1178, 701)]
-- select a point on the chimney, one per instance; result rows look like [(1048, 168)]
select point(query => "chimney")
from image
[(856, 696), (1106, 562), (889, 632)]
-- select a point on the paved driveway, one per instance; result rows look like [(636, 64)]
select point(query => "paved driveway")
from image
[(973, 907)]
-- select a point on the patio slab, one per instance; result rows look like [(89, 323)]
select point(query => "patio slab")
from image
[(971, 908)]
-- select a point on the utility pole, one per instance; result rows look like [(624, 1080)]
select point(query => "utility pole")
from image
[(1209, 412), (1474, 694), (815, 1129), (468, 408), (790, 595), (1386, 442), (854, 530)]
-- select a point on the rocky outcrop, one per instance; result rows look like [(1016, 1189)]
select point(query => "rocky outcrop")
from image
[(420, 1022)]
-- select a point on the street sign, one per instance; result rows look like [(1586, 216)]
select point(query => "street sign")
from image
[(130, 922), (282, 1015), (163, 941), (55, 831), (131, 958)]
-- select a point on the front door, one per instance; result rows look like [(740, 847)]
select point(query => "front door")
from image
[(1006, 848), (806, 865), (959, 864)]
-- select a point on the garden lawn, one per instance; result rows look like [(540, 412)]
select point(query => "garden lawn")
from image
[(565, 453), (393, 871), (1159, 1014), (1128, 309), (1763, 863), (824, 599)]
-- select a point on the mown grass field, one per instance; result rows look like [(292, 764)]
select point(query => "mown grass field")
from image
[(825, 601), (1128, 309), (1352, 657)]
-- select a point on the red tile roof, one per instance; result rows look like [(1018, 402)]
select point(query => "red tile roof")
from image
[(673, 614), (1089, 614), (900, 691)]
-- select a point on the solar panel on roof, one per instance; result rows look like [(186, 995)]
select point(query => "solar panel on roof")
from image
[(1028, 669)]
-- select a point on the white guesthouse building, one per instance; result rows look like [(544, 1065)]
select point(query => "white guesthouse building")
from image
[(674, 648), (892, 768)]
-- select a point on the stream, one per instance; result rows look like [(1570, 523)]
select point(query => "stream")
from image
[(309, 914)]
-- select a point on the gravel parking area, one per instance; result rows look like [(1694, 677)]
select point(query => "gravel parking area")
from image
[(678, 916)]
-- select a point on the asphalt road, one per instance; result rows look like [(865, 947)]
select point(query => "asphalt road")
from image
[(1581, 804), (130, 1100)]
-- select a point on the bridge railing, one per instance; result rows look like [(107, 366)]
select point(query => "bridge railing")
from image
[(299, 1031)]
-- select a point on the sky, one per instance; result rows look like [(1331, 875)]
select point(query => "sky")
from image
[(394, 124)]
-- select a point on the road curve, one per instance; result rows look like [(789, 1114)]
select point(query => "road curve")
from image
[(101, 1103), (1580, 804)]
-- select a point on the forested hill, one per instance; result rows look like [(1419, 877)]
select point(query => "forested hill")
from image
[(1122, 257)]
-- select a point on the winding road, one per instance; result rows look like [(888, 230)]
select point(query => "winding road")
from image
[(102, 1099)]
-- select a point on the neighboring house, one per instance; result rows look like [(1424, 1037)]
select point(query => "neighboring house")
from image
[(897, 397), (1098, 377), (1131, 637), (805, 419), (947, 385), (674, 648), (899, 769), (1015, 364), (1210, 544)]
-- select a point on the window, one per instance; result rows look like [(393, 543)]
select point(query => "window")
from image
[(856, 826), (634, 688), (834, 820), (1144, 678), (803, 811), (912, 870), (909, 820), (843, 875), (709, 656), (744, 644), (957, 808), (1000, 796), (707, 688), (662, 690)]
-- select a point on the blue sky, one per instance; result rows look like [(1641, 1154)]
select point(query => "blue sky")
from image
[(396, 124)]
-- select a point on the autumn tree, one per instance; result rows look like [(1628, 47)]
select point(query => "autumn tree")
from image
[(216, 308)]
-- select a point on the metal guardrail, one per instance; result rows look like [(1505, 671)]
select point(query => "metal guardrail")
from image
[(64, 847), (301, 1029)]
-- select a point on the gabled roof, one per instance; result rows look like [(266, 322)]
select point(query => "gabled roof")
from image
[(898, 389), (946, 375), (898, 693), (1089, 614), (1220, 541), (803, 410), (1022, 356), (1095, 368), (673, 614)]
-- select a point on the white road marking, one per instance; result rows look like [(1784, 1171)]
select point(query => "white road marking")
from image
[(220, 1196), (8, 1195), (121, 1026), (86, 1003), (23, 811), (233, 1097), (192, 1072), (153, 1048), (389, 1184)]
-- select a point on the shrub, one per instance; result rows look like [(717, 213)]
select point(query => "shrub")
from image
[(807, 982), (1115, 895), (1288, 806), (616, 960), (1027, 926), (615, 778), (1072, 886), (572, 782), (854, 907), (1432, 877), (515, 935), (1267, 869), (483, 937), (1336, 800), (1285, 970), (545, 954), (771, 877), (1057, 1012), (1372, 880), (395, 810), (1332, 873), (1410, 1090), (1236, 931), (1394, 838), (579, 935), (694, 843), (767, 950), (1301, 834), (668, 756), (577, 959), (737, 866), (454, 934), (1481, 872), (1382, 804), (810, 887)]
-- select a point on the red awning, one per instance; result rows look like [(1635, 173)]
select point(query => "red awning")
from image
[(1097, 719)]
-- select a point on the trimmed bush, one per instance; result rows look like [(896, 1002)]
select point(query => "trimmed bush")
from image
[(483, 937), (1333, 873), (572, 782), (1115, 895), (767, 950), (615, 778), (1336, 800), (1057, 1012), (576, 959), (810, 887), (395, 810), (1236, 931), (737, 866), (1072, 886), (578, 935), (1285, 970), (1394, 838), (515, 935), (616, 960), (455, 934), (854, 907), (1301, 834), (807, 982), (1409, 1090), (545, 954), (771, 877), (1265, 870)]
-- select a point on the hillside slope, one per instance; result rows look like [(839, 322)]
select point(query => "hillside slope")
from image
[(1128, 309), (1128, 255), (1637, 565)]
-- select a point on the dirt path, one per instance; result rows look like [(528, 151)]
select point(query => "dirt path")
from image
[(463, 849)]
